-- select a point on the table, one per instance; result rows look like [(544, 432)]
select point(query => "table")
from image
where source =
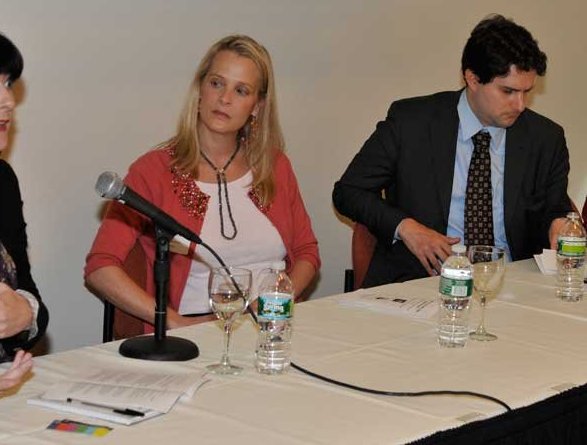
[(541, 353)]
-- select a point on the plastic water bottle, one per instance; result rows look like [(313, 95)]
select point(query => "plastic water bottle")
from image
[(274, 312), (570, 259), (455, 290)]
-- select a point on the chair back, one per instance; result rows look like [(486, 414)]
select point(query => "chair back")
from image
[(363, 246)]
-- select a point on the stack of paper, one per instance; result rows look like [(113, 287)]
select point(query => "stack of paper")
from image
[(396, 304), (124, 397)]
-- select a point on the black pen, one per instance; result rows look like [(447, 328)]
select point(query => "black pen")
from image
[(123, 411)]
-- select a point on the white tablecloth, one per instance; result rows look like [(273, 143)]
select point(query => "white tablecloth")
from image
[(541, 351)]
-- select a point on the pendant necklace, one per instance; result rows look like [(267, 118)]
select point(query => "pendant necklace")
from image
[(221, 180)]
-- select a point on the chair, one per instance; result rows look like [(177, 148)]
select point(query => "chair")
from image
[(118, 324), (584, 213), (362, 248)]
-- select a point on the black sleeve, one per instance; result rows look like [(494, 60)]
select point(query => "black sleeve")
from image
[(14, 239), (358, 194), (558, 201)]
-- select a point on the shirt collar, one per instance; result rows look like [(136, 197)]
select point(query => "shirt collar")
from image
[(470, 124)]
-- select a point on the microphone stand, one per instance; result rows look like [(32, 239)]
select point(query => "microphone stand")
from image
[(160, 347)]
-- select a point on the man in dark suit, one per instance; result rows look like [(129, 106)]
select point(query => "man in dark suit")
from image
[(409, 182)]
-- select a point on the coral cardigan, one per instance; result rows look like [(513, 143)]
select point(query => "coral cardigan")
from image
[(152, 177)]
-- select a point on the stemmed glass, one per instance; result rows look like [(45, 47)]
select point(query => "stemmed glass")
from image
[(488, 270), (228, 289)]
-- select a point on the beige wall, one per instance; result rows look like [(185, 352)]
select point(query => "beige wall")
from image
[(104, 81)]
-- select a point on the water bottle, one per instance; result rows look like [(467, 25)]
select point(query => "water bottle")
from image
[(455, 290), (274, 312), (570, 259)]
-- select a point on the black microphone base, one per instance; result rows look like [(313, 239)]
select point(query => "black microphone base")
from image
[(170, 349)]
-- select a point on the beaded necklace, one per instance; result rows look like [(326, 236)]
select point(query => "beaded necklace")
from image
[(221, 180)]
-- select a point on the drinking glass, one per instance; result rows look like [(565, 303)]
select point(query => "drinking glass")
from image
[(488, 270), (228, 288)]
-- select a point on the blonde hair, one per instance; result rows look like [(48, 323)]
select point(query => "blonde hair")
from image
[(259, 142)]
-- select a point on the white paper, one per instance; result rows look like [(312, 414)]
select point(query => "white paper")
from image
[(149, 392), (547, 262), (90, 411), (396, 304)]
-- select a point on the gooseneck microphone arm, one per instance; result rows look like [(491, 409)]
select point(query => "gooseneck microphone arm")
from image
[(161, 273)]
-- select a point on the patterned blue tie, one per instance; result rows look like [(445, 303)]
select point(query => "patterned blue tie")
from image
[(478, 197)]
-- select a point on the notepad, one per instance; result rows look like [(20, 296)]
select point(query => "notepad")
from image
[(116, 396), (90, 411), (391, 303)]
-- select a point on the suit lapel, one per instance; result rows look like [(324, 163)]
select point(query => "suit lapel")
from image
[(444, 129), (516, 153)]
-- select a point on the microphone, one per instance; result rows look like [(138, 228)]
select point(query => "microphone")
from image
[(159, 347), (110, 186)]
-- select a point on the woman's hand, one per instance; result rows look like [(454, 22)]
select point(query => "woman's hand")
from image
[(16, 314), (23, 362), (174, 320)]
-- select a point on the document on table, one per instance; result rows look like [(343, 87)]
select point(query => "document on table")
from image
[(396, 304), (547, 261), (121, 396)]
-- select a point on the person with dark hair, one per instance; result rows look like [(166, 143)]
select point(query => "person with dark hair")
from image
[(23, 316), (473, 166)]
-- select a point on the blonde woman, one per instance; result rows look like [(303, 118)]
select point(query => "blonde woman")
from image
[(225, 176)]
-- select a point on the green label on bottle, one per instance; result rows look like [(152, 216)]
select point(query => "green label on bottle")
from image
[(571, 246), (275, 307), (458, 288)]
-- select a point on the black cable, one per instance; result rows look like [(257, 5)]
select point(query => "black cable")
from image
[(360, 388), (232, 279), (399, 393)]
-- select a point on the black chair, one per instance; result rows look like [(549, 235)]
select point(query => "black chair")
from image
[(108, 322), (584, 213)]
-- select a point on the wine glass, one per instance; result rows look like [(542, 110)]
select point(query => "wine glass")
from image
[(488, 270), (228, 288)]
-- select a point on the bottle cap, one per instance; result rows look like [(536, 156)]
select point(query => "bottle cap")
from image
[(278, 265), (458, 248)]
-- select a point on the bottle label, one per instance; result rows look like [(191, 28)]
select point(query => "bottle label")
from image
[(272, 307), (456, 288), (571, 246)]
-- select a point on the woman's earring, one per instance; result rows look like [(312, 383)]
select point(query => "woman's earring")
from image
[(251, 131)]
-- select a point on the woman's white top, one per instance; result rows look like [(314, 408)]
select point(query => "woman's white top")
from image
[(256, 246)]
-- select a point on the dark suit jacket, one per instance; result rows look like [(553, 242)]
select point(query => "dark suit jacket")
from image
[(14, 239), (405, 169)]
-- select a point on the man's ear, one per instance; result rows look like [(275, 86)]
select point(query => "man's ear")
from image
[(471, 79)]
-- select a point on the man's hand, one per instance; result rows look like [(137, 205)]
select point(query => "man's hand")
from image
[(22, 363), (16, 314), (430, 247), (555, 228)]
